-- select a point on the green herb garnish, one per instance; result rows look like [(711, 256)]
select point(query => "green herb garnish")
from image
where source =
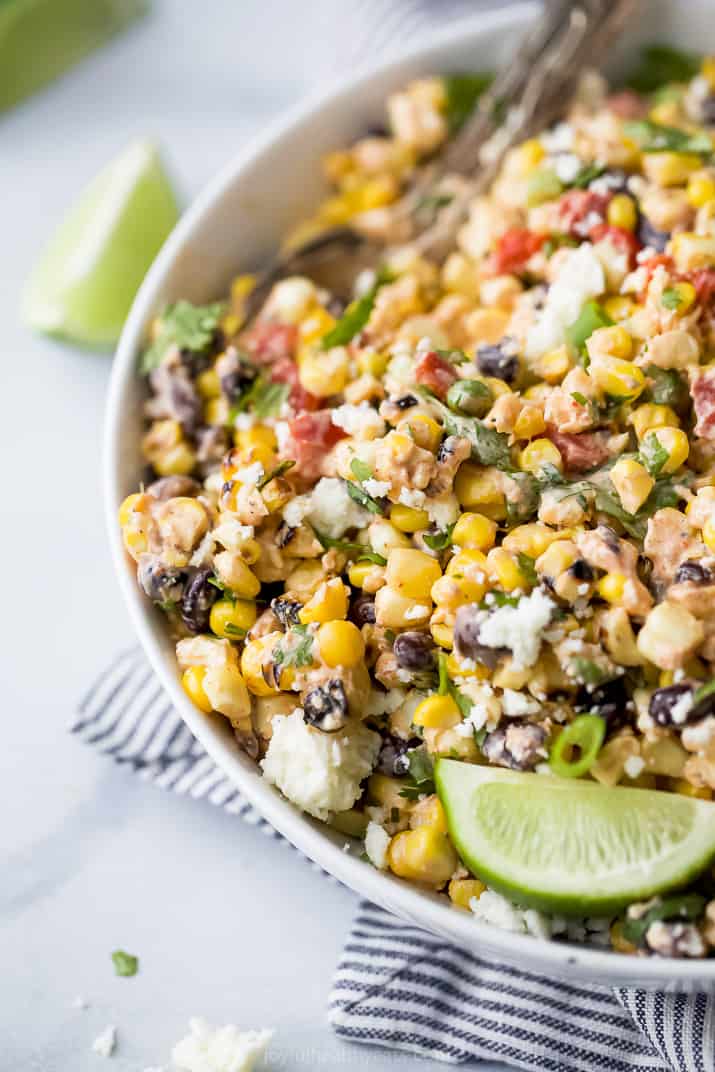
[(187, 326), (668, 388), (361, 497), (462, 93), (489, 447), (653, 454), (420, 777), (591, 317), (360, 470), (273, 474), (356, 315), (703, 692), (301, 654), (446, 687), (439, 541), (234, 630), (526, 568), (124, 963), (350, 548), (657, 138), (682, 907), (670, 299), (578, 397), (586, 176)]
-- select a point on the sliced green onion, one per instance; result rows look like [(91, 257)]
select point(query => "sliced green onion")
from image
[(576, 748), (591, 317)]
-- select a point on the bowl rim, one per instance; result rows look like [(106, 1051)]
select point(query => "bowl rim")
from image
[(567, 960)]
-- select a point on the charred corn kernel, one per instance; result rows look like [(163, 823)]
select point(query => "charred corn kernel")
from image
[(531, 539), (127, 507), (425, 431), (618, 942), (411, 572), (443, 635), (255, 655), (216, 410), (474, 530), (383, 536), (237, 575), (557, 558), (316, 323), (208, 384), (651, 415), (671, 634), (675, 441), (530, 154), (553, 365), (276, 493), (437, 712), (618, 378), (476, 486), (232, 619), (469, 570), (358, 571), (192, 682), (429, 812), (611, 587), (614, 341), (178, 461), (423, 855), (463, 890), (406, 519), (340, 644), (701, 189), (691, 251), (372, 362), (686, 295), (670, 169), (687, 789), (529, 423), (619, 307), (394, 610), (537, 454), (305, 579), (259, 435), (622, 212), (709, 533), (505, 570), (633, 483), (325, 373), (330, 602)]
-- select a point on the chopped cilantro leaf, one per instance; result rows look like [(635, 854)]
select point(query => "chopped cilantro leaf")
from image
[(489, 447), (273, 474), (124, 963), (657, 138), (670, 298), (703, 692), (360, 470), (653, 454), (420, 777), (439, 541), (667, 388), (234, 630), (360, 550), (578, 397), (681, 907), (586, 175), (300, 654), (591, 317), (361, 497), (190, 327), (526, 568), (356, 315)]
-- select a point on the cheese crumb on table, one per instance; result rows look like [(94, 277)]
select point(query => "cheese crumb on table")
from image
[(219, 1049), (105, 1043)]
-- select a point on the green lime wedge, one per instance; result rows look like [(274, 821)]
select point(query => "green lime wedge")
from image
[(85, 282), (573, 847)]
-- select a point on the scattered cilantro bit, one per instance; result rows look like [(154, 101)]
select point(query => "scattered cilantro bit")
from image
[(124, 963), (223, 588), (462, 92), (190, 327), (167, 605), (586, 176), (299, 655), (356, 315), (703, 692), (684, 908), (456, 357), (578, 397), (591, 317), (420, 777), (488, 446), (526, 568), (364, 553), (446, 687), (361, 497), (432, 203), (439, 541), (607, 503), (264, 397), (657, 138), (550, 476), (653, 454), (660, 65), (520, 507), (670, 298), (589, 672), (360, 470), (234, 630), (668, 388), (273, 474), (499, 599)]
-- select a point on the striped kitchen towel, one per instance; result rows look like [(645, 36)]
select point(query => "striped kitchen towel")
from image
[(399, 986)]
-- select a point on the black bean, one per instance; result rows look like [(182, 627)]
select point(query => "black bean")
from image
[(393, 758), (162, 583), (466, 638), (286, 610), (326, 706), (199, 596), (406, 401), (414, 650), (664, 700), (581, 570), (194, 363), (519, 746), (235, 383), (608, 700), (693, 573), (649, 235), (362, 610), (498, 360)]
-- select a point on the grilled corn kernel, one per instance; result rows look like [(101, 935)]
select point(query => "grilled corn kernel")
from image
[(531, 539), (394, 610), (474, 530), (234, 572), (406, 519), (675, 442), (529, 155), (423, 855), (425, 430), (529, 423), (232, 619), (476, 486), (709, 533), (614, 341), (330, 602), (255, 655), (618, 378), (275, 494), (622, 212), (691, 251), (670, 635), (538, 453), (670, 169), (127, 507), (553, 365), (505, 570), (558, 556), (611, 587), (316, 323), (437, 712), (443, 635), (325, 373), (340, 644), (619, 307), (216, 411), (192, 682), (429, 812), (259, 435), (462, 890), (486, 326), (651, 415), (358, 571), (633, 483), (411, 572), (701, 189), (208, 384), (383, 536), (470, 570), (450, 593)]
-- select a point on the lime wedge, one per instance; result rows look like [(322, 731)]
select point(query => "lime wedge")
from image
[(573, 846), (85, 282)]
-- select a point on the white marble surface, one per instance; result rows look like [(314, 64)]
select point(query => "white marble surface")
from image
[(227, 923)]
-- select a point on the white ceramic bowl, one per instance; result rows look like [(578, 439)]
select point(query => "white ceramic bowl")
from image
[(233, 226)]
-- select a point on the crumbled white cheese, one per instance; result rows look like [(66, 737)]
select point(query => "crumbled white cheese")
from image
[(491, 907), (566, 166), (580, 278), (290, 299), (559, 139), (474, 721), (231, 533), (332, 511), (249, 474), (412, 497), (519, 628), (515, 704), (203, 552), (443, 511), (634, 766), (105, 1043), (377, 841), (376, 488), (295, 510), (219, 1049), (361, 421), (319, 772), (244, 421), (384, 702), (400, 374)]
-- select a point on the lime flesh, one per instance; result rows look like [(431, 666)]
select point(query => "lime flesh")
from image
[(86, 280), (573, 847)]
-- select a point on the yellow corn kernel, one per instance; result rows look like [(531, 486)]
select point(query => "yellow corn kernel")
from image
[(462, 890), (529, 155), (437, 712), (675, 441), (618, 378), (411, 572), (429, 812), (558, 557), (709, 533), (651, 415), (241, 286), (531, 539), (686, 295), (316, 323), (451, 593), (553, 365), (614, 341), (232, 619), (486, 325), (529, 423), (538, 453), (701, 189), (259, 435), (192, 682), (618, 942), (707, 70), (394, 610), (496, 386), (208, 384), (633, 483), (691, 251), (505, 570), (216, 411), (622, 212), (469, 569), (372, 363), (406, 519), (127, 507), (619, 307), (325, 373), (476, 486), (474, 530), (329, 603), (340, 644), (456, 668), (383, 536), (425, 430), (358, 571), (687, 789), (459, 276), (242, 581), (670, 169), (423, 855), (443, 635), (275, 494), (611, 587), (255, 654)]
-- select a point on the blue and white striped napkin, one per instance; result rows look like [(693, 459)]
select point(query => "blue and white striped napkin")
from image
[(399, 986)]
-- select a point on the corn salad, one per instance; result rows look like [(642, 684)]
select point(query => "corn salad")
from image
[(472, 512)]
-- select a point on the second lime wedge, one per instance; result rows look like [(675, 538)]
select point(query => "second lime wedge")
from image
[(573, 846), (86, 280)]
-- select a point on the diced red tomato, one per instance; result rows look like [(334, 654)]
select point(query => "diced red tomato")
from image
[(285, 370), (627, 105), (581, 210), (650, 266), (267, 342), (311, 437), (581, 451), (435, 372), (702, 390), (514, 249), (624, 241)]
